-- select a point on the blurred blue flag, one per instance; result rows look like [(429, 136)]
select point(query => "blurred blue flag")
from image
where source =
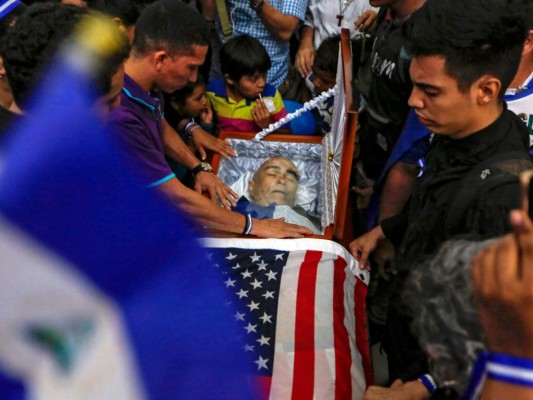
[(105, 293)]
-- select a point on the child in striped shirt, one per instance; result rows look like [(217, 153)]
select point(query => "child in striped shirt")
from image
[(243, 101)]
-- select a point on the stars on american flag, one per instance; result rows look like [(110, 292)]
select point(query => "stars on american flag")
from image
[(262, 266), (250, 328), (261, 363), (254, 280), (256, 284), (239, 316), (253, 305), (230, 282), (255, 257), (263, 340), (266, 318), (248, 347), (271, 275)]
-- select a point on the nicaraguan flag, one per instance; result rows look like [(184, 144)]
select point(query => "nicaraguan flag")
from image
[(105, 293)]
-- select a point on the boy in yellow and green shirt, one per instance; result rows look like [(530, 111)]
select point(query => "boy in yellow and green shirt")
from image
[(243, 101)]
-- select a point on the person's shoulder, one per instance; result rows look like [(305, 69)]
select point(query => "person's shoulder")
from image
[(125, 119), (518, 132), (123, 112)]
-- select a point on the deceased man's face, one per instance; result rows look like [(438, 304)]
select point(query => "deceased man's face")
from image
[(276, 181)]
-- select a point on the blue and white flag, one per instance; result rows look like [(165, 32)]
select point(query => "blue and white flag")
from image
[(105, 293)]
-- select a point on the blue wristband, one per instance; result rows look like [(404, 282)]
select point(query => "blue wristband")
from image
[(428, 382), (510, 369), (499, 367)]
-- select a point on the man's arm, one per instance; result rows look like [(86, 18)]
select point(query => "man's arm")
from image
[(502, 280), (412, 146), (306, 52), (363, 246), (281, 25), (209, 9), (176, 149), (215, 217), (397, 189), (412, 390)]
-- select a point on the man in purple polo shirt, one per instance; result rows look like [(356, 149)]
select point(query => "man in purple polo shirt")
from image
[(171, 42)]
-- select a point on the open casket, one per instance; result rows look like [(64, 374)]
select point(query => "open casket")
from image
[(324, 162), (301, 302)]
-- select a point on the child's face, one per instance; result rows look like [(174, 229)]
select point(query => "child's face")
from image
[(323, 80), (195, 103), (250, 86)]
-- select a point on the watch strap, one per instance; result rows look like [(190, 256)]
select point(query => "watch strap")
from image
[(202, 167)]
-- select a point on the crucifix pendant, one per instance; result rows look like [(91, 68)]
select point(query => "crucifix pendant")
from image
[(340, 17)]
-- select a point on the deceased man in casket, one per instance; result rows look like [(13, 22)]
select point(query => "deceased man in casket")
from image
[(272, 194)]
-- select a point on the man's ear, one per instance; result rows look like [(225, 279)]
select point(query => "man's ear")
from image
[(160, 58), (228, 80), (2, 69), (119, 23), (488, 89), (251, 188), (528, 44)]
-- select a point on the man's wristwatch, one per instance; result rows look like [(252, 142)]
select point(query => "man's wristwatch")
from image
[(203, 166)]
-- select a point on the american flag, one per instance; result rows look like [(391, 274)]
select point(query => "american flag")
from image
[(300, 306)]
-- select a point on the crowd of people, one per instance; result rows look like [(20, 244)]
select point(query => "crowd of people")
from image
[(445, 130)]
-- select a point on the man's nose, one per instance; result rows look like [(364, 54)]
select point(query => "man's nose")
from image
[(193, 76), (415, 100)]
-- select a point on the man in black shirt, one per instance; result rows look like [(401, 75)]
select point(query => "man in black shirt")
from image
[(389, 86), (460, 68)]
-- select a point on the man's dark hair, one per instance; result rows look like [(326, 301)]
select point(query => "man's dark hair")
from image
[(37, 36), (30, 45), (9, 20), (327, 55), (476, 37), (528, 13), (171, 26), (243, 55), (127, 10)]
